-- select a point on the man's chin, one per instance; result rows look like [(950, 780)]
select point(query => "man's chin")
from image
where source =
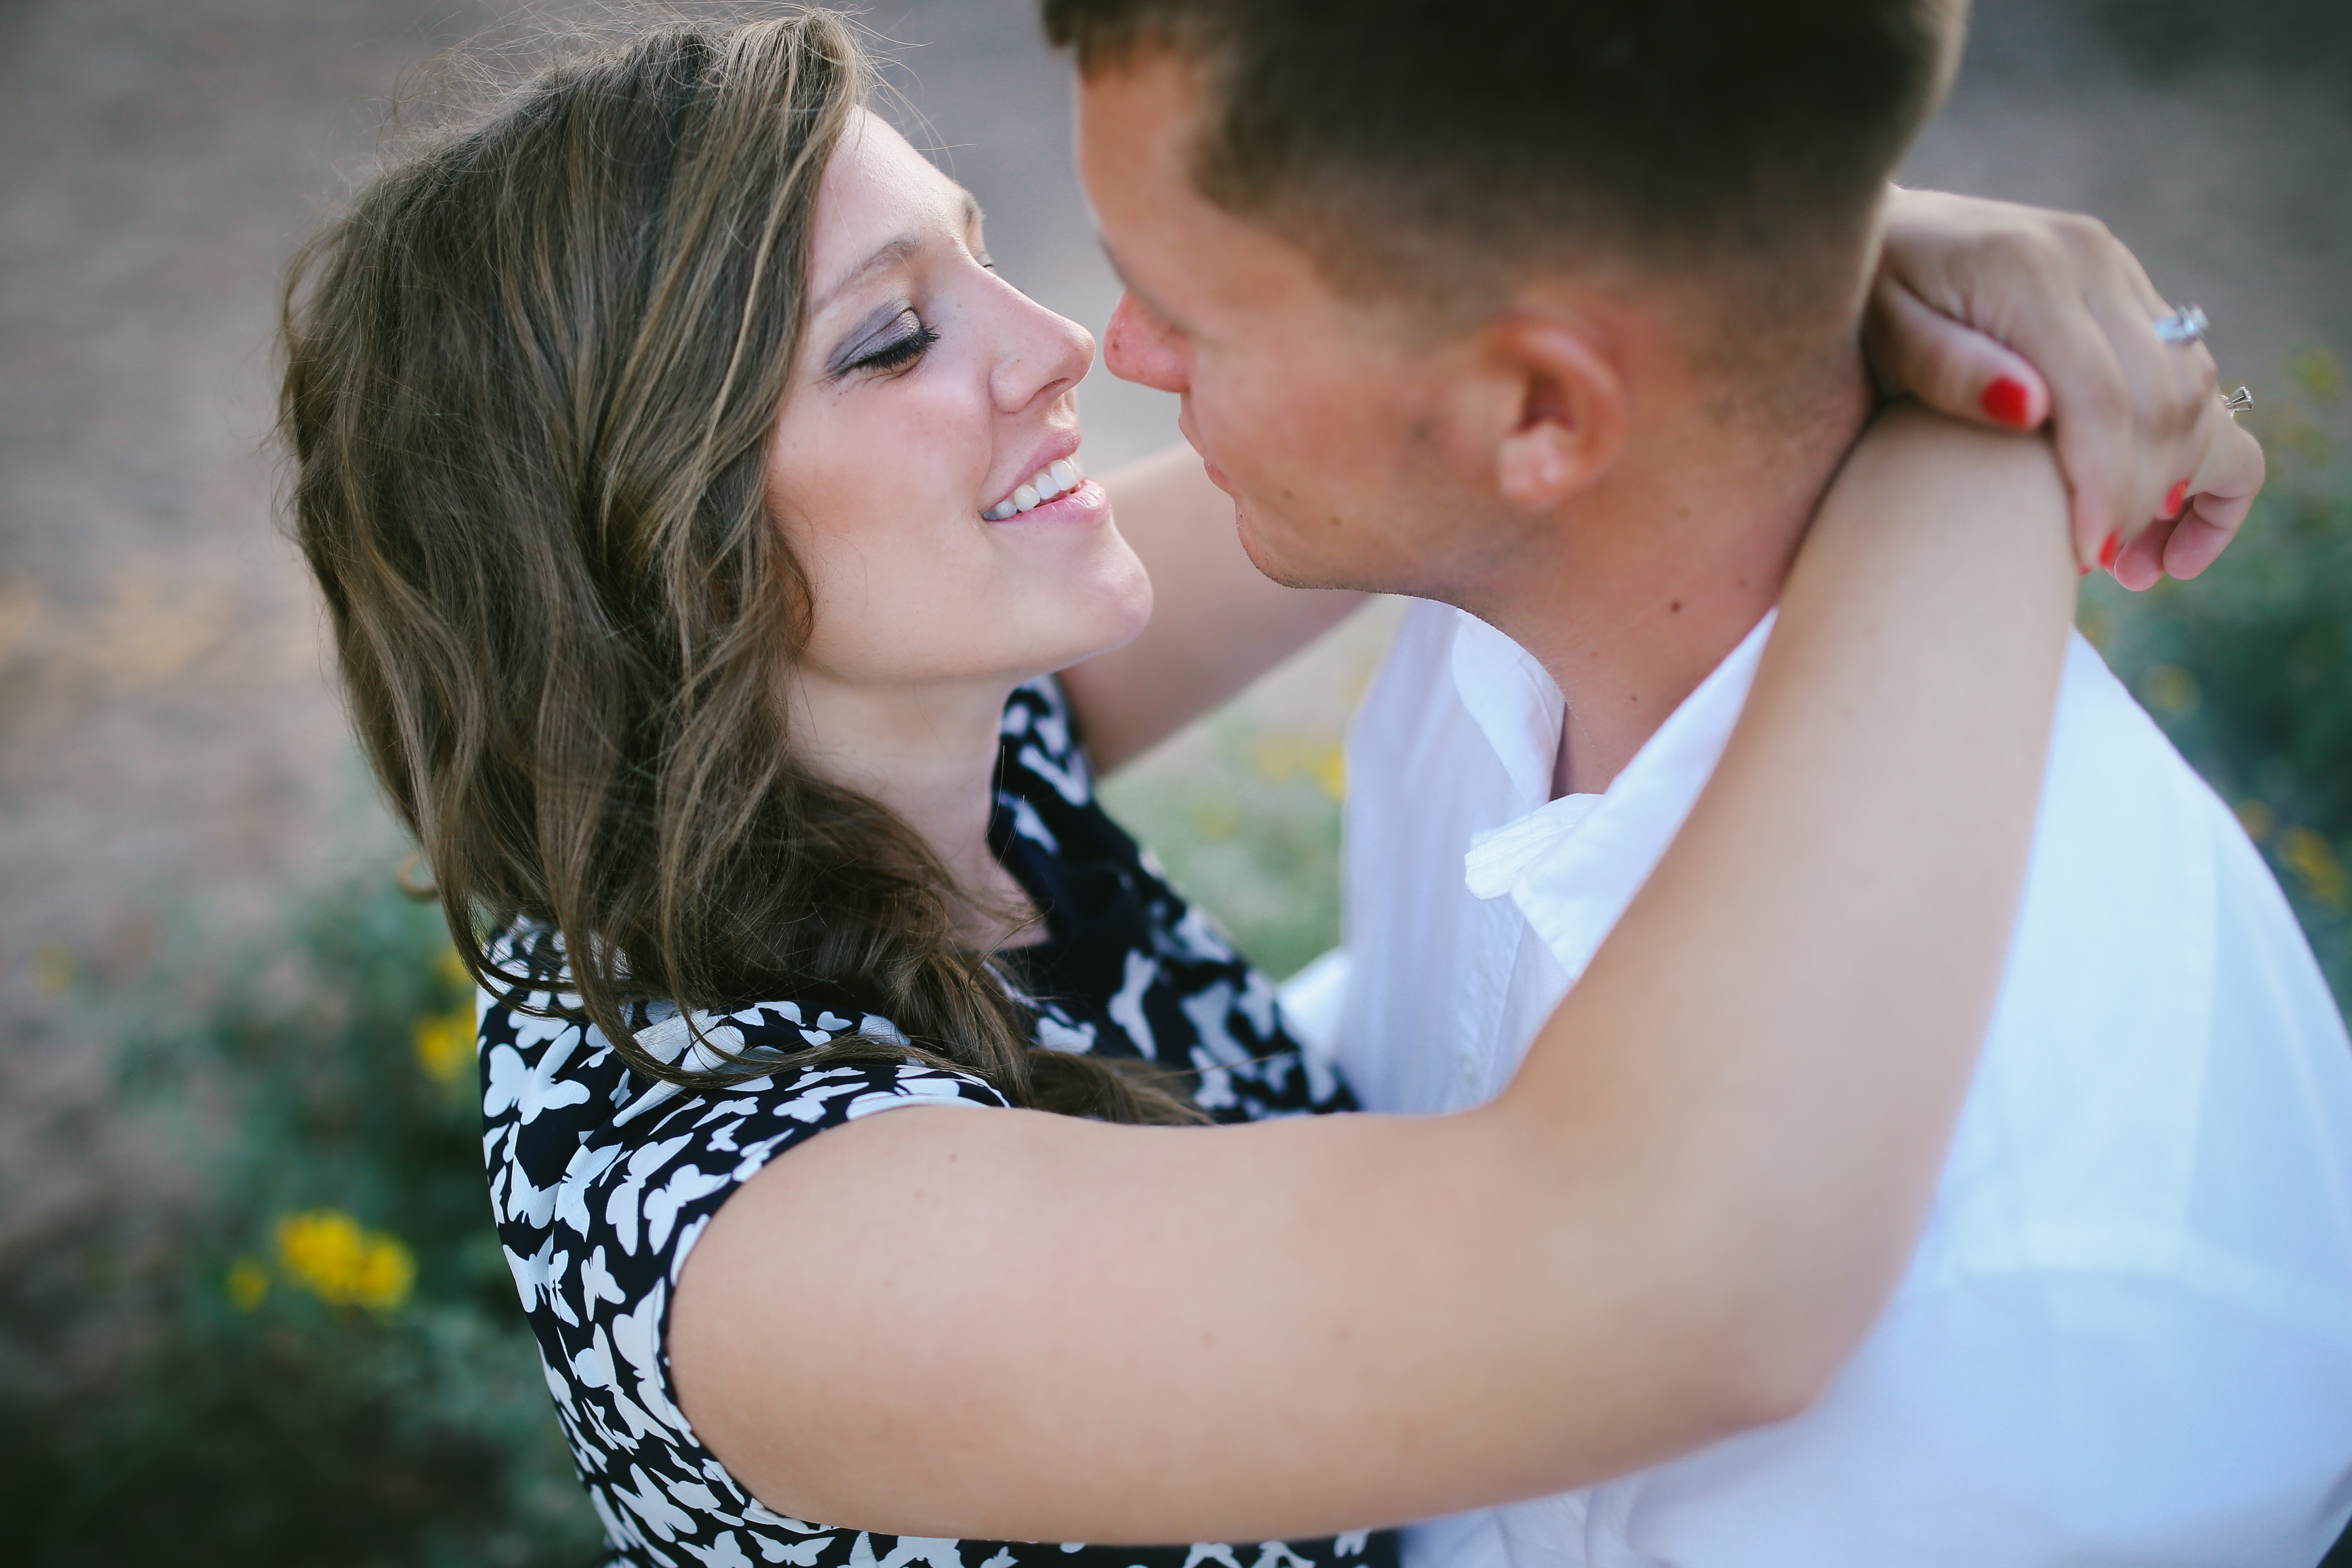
[(1281, 560)]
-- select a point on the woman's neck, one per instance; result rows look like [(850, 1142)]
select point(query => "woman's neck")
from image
[(928, 752)]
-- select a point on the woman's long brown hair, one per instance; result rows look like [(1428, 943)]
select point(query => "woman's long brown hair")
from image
[(531, 377)]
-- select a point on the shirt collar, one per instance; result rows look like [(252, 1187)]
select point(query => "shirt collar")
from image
[(1515, 702), (1572, 864)]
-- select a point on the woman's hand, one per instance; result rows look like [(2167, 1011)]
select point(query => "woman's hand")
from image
[(2006, 315)]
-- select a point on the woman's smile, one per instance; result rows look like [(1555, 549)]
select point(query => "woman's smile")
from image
[(1060, 476)]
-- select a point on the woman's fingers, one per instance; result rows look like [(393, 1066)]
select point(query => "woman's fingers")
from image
[(2212, 508), (2065, 297), (1949, 365)]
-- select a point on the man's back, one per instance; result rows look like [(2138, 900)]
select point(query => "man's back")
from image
[(2126, 1336)]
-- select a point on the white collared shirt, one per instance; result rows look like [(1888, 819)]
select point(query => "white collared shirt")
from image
[(2126, 1334)]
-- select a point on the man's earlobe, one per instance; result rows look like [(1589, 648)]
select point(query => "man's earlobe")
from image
[(1537, 468), (1570, 418)]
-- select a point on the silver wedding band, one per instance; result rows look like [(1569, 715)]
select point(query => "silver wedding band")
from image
[(2186, 325), (2239, 402)]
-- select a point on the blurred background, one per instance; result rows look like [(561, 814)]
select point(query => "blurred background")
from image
[(251, 1309)]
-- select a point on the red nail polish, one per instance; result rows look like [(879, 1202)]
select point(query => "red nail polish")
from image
[(2112, 549), (2007, 400), (2175, 498)]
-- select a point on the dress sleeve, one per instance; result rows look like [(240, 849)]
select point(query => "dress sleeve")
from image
[(603, 1182)]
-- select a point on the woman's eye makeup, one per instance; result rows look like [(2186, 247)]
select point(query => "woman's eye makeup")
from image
[(899, 344)]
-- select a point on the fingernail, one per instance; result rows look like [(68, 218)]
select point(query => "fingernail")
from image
[(2112, 549), (2175, 497), (2007, 400)]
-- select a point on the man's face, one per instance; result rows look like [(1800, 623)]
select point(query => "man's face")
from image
[(1311, 411)]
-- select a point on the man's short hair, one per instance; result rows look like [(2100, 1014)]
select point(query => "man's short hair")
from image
[(1427, 146)]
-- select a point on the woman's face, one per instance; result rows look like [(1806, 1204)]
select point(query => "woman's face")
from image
[(928, 396)]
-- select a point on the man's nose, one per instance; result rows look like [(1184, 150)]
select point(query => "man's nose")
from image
[(1137, 347)]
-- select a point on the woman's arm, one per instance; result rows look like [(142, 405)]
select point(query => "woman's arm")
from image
[(1969, 294), (1677, 1222), (1217, 623)]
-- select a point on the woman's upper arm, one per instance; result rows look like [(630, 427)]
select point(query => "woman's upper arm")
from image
[(1011, 1325), (1706, 1174), (1217, 624)]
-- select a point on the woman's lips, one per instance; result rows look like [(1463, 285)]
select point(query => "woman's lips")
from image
[(1083, 504), (1058, 478)]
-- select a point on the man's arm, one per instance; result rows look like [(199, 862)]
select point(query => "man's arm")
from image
[(1217, 623)]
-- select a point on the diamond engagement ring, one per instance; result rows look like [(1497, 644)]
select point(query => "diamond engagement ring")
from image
[(2186, 325), (2239, 402)]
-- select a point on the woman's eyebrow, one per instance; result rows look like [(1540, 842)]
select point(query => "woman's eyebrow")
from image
[(895, 253)]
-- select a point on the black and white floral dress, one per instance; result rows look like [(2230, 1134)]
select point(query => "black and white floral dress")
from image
[(602, 1180)]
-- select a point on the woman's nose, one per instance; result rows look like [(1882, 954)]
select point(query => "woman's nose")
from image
[(1051, 354), (1140, 346)]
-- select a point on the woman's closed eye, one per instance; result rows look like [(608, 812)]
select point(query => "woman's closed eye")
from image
[(895, 348)]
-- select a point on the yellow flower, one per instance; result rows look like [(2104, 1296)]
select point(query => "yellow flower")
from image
[(2312, 856), (53, 968), (2172, 688), (333, 1257), (1216, 817), (1331, 771), (1279, 758), (444, 1043), (2321, 373), (249, 1281)]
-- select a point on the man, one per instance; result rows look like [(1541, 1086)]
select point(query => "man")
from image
[(1549, 315)]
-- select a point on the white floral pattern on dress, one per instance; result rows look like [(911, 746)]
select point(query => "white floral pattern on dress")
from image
[(602, 1181)]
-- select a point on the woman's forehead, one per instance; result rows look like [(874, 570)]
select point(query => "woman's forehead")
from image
[(878, 190)]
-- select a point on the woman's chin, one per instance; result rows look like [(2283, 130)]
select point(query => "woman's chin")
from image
[(1116, 613)]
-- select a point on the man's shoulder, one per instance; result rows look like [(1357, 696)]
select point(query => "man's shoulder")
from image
[(2155, 959), (2116, 782), (2137, 863)]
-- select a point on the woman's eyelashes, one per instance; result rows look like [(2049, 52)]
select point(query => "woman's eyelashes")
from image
[(902, 342), (900, 352)]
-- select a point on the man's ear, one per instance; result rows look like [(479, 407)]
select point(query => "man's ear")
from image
[(1559, 415)]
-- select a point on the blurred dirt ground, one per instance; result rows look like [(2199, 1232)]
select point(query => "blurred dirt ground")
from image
[(172, 756)]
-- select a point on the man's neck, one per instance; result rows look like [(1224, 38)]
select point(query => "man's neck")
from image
[(1662, 570)]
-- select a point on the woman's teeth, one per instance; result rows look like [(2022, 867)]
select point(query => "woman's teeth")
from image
[(1056, 478)]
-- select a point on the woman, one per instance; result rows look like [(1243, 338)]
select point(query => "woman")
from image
[(701, 523)]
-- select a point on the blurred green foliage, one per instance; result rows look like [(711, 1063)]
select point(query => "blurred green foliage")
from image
[(1249, 826), (342, 1374)]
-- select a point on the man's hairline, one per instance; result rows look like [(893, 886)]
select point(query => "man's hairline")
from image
[(1419, 314)]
